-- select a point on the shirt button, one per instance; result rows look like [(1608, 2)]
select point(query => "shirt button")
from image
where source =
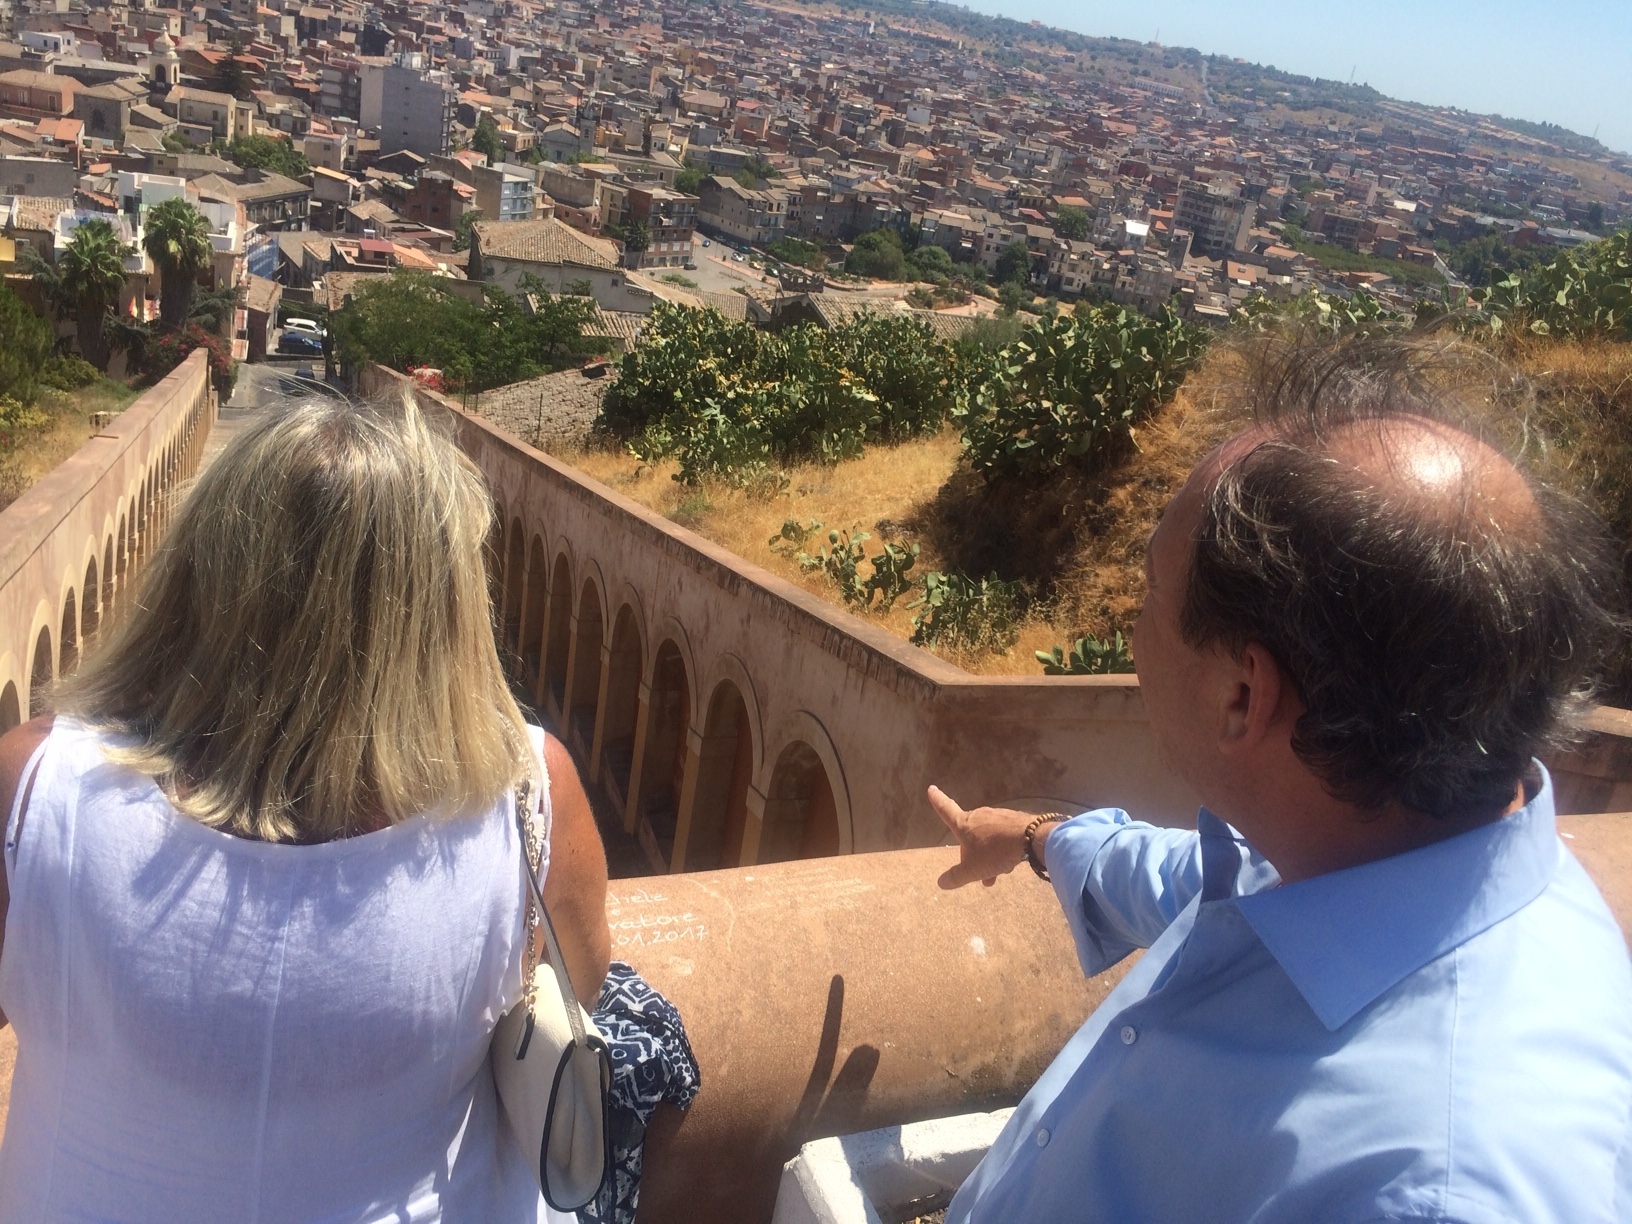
[(1042, 1136), (1129, 1034)]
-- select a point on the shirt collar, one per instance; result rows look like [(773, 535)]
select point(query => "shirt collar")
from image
[(1347, 937)]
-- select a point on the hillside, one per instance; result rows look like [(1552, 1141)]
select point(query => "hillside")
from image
[(1048, 51)]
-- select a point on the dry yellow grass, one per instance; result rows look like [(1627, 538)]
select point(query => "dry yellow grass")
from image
[(880, 492), (898, 493), (69, 427)]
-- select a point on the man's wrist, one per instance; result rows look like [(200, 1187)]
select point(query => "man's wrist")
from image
[(1035, 840)]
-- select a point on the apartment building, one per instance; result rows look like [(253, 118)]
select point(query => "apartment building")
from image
[(1218, 217), (671, 219), (410, 107), (727, 208)]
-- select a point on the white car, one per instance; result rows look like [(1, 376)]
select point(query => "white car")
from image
[(305, 327)]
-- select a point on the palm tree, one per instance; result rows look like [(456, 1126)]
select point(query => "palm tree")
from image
[(177, 240), (86, 283)]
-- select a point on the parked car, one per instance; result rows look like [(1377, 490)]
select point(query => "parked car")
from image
[(305, 326), (706, 242), (301, 344)]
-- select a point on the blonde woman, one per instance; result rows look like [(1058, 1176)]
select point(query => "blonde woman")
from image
[(262, 885)]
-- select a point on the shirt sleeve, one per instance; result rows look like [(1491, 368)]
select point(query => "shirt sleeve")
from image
[(1120, 881)]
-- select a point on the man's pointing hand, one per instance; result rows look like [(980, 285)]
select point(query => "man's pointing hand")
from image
[(993, 840)]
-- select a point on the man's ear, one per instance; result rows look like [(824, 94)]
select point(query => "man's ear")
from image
[(1255, 689)]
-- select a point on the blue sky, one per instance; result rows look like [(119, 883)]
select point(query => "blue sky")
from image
[(1562, 61)]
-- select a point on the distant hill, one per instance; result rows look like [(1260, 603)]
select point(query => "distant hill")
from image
[(1223, 75)]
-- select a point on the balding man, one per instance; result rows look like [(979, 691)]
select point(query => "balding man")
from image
[(1376, 985)]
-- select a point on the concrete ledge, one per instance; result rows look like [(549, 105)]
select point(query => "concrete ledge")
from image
[(839, 995)]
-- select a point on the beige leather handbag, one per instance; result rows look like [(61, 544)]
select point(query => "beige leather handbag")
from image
[(551, 1066)]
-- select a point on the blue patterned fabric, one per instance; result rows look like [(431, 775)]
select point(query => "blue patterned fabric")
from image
[(652, 1062)]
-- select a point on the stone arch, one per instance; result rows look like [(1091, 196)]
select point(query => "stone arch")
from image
[(515, 561), (90, 613), (533, 602), (108, 587), (584, 684), (558, 632), (121, 559), (656, 786), (807, 804), (626, 659), (729, 667), (713, 834), (42, 672), (11, 710), (68, 651)]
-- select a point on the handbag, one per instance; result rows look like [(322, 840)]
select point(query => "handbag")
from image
[(551, 1066)]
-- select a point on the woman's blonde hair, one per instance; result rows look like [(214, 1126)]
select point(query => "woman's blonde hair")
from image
[(311, 648)]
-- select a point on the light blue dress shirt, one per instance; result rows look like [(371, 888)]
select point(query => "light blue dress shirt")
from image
[(1444, 1035)]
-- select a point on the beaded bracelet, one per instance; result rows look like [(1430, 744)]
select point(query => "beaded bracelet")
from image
[(1038, 822)]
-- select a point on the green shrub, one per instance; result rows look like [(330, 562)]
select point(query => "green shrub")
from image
[(733, 403), (69, 372), (1582, 292), (968, 614), (1069, 391), (841, 562), (1089, 657), (877, 254)]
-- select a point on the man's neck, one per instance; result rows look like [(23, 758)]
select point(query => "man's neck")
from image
[(1308, 835)]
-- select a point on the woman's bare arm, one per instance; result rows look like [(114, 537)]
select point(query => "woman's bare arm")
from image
[(575, 888), (16, 746)]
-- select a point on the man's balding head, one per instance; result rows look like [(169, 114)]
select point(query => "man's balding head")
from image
[(1441, 615)]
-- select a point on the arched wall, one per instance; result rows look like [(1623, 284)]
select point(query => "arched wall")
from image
[(97, 511), (883, 719)]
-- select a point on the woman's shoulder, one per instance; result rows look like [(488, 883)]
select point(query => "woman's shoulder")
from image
[(16, 747)]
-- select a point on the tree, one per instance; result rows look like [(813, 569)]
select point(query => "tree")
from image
[(930, 263), (1072, 223), (798, 252), (637, 237), (214, 310), (175, 142), (230, 78), (1011, 296), (177, 240), (691, 178), (877, 254), (409, 319), (25, 346), (486, 140), (1014, 264), (85, 284), (462, 228), (269, 153)]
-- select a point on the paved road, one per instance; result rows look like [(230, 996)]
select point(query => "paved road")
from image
[(717, 271)]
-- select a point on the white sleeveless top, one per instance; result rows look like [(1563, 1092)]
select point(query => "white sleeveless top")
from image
[(213, 1029)]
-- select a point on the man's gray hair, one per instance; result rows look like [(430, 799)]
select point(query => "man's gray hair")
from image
[(1436, 650)]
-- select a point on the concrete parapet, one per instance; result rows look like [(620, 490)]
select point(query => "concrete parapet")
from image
[(70, 545), (839, 995)]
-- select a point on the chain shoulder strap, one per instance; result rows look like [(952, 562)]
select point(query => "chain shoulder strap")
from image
[(538, 915)]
